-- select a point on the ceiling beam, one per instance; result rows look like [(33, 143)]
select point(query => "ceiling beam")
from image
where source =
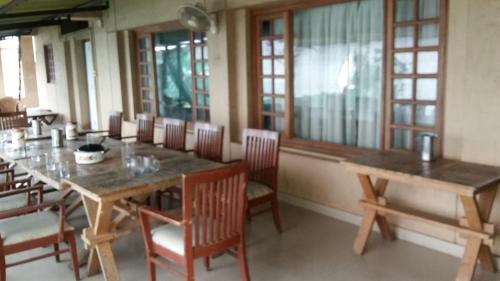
[(11, 5), (31, 24), (55, 12)]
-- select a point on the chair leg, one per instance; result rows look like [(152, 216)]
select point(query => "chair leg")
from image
[(151, 270), (56, 249), (159, 196), (207, 263), (70, 239), (190, 270), (276, 214), (3, 275), (242, 257)]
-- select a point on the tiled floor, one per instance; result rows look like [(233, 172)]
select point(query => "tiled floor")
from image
[(312, 247)]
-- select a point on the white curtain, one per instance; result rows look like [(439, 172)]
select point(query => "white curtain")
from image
[(338, 52)]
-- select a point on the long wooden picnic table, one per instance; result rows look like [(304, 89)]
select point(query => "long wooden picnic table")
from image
[(105, 189), (475, 184)]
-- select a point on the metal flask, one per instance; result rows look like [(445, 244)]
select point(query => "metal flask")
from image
[(427, 153), (57, 137), (37, 127)]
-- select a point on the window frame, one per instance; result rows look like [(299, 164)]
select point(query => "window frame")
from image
[(286, 12), (149, 32)]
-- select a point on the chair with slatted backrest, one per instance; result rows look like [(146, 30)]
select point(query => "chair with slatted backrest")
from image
[(212, 222), (28, 226), (208, 141), (261, 152), (115, 125), (174, 134), (145, 128), (10, 120)]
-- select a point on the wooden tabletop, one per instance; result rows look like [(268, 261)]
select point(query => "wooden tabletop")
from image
[(109, 179), (452, 175)]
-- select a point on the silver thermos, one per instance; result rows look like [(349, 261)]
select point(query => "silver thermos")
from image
[(36, 126), (57, 137), (428, 147)]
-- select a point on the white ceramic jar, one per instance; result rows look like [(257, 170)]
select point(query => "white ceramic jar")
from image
[(71, 132)]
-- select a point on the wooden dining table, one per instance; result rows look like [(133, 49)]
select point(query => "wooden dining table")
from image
[(476, 185), (106, 190)]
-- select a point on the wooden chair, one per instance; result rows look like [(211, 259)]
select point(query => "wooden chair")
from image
[(208, 141), (261, 152), (213, 222), (208, 145), (145, 123), (10, 104), (34, 226), (174, 134), (10, 120), (115, 125)]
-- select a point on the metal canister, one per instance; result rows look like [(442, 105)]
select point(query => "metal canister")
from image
[(427, 153), (36, 125), (71, 132), (57, 137), (18, 138)]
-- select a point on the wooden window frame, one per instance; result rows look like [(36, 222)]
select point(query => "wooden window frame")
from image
[(286, 12), (204, 77), (48, 54), (149, 32)]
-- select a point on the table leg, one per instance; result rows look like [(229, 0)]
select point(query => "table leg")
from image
[(91, 212), (477, 214), (364, 232)]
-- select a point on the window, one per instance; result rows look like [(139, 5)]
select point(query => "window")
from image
[(48, 53), (173, 74), (415, 60), (320, 77)]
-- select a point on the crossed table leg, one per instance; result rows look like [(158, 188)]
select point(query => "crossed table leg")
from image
[(477, 213)]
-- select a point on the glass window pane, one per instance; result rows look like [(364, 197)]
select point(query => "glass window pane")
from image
[(428, 35), (267, 85), (206, 69), (205, 52), (401, 139), (199, 68), (199, 84), (173, 74), (426, 115), (146, 107), (418, 139), (402, 89), (280, 124), (337, 88), (428, 9), (279, 67), (198, 55), (200, 100), (266, 49), (279, 86), (146, 95), (403, 37), (267, 67), (145, 82), (144, 69), (427, 89), (143, 43), (207, 100), (278, 27), (279, 105), (403, 63), (205, 81), (265, 28), (267, 122), (404, 10), (279, 47), (267, 104), (401, 114), (200, 114), (427, 62)]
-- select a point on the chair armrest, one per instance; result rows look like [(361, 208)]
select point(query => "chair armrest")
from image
[(4, 165), (158, 144), (129, 137), (35, 189), (188, 150), (33, 208), (161, 216)]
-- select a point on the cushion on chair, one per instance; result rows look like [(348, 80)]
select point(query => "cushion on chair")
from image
[(13, 202), (257, 189), (30, 227), (170, 237)]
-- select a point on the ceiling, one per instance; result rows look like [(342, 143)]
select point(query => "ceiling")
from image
[(20, 17)]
